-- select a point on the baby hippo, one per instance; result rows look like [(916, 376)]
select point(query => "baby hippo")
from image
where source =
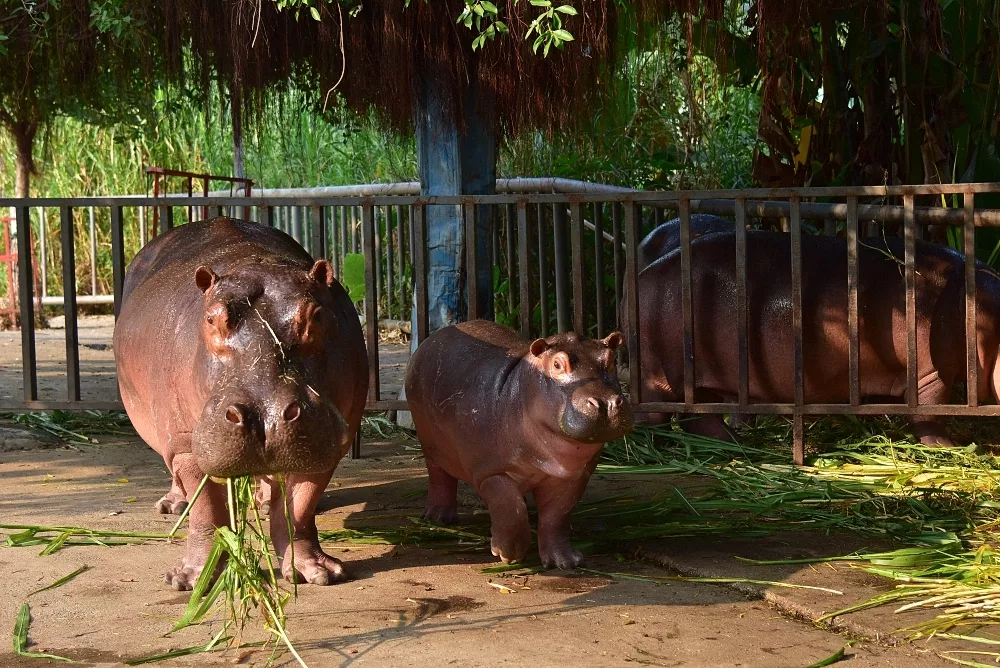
[(511, 417)]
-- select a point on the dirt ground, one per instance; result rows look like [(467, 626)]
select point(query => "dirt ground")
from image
[(406, 606)]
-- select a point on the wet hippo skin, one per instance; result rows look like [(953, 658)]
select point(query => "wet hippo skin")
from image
[(239, 355), (509, 416), (940, 306)]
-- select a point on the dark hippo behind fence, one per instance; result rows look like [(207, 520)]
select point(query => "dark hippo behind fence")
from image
[(508, 417), (666, 238), (940, 304), (238, 355)]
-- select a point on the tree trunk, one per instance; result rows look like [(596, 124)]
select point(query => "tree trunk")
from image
[(454, 160), (24, 139)]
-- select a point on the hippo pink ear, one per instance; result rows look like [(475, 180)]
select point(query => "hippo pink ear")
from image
[(613, 340), (322, 273), (204, 278), (538, 346)]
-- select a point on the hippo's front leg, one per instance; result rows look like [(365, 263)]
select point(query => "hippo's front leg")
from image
[(555, 499), (207, 513), (312, 565), (509, 527)]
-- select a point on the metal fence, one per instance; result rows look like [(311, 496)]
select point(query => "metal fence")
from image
[(561, 261)]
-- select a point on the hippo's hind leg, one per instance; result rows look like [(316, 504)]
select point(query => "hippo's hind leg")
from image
[(929, 429), (555, 499), (442, 495), (175, 501), (207, 513), (511, 533), (710, 426), (303, 560)]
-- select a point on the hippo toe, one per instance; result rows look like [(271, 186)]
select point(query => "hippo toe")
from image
[(565, 558), (171, 504), (312, 565)]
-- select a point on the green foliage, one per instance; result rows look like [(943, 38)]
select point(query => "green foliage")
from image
[(354, 276)]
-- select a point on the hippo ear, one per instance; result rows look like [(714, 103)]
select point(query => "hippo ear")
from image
[(613, 340), (204, 278), (538, 346), (322, 273)]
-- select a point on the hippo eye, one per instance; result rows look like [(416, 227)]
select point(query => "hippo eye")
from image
[(557, 365), (211, 320)]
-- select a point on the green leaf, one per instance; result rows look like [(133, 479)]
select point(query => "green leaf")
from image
[(501, 27), (489, 7), (61, 581), (354, 276), (541, 3), (314, 12), (21, 625), (564, 35), (567, 9)]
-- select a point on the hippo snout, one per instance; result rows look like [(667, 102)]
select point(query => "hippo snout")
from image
[(237, 436), (597, 417)]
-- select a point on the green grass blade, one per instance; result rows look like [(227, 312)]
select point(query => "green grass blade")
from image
[(836, 657), (21, 625), (61, 581)]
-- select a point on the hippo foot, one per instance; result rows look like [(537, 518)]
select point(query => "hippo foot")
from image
[(510, 550), (171, 504), (565, 558), (312, 566), (442, 514), (184, 575), (937, 441)]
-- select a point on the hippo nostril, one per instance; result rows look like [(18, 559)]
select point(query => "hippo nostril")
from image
[(235, 414), (614, 402), (595, 402), (292, 412)]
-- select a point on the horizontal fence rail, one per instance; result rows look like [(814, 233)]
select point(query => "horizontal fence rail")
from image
[(560, 261)]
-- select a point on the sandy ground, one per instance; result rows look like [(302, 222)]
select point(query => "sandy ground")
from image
[(403, 606)]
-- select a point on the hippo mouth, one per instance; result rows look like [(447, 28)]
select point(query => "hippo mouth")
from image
[(245, 444), (594, 429)]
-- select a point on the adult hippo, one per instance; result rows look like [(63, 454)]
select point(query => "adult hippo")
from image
[(940, 306), (239, 355), (509, 416), (666, 238)]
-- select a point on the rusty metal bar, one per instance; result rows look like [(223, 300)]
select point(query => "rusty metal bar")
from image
[(25, 289), (419, 249), (69, 304), (562, 269), (510, 215), (471, 263), (390, 278), (576, 241), (795, 228), (909, 236), (377, 221), (543, 274), (334, 242), (854, 376), (619, 259), (971, 342), (884, 213), (524, 282), (687, 301), (632, 278), (599, 266), (371, 307), (706, 408), (401, 257), (318, 233), (117, 256), (741, 303)]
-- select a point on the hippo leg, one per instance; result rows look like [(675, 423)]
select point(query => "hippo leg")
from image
[(710, 426), (442, 495), (207, 513), (555, 499), (928, 429), (311, 564), (511, 533), (175, 501), (263, 491)]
